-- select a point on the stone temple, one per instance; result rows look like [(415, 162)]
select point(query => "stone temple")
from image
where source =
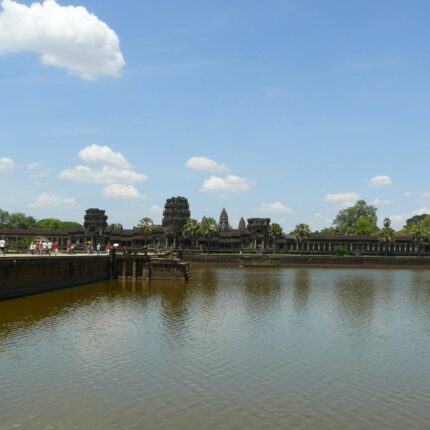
[(251, 235), (223, 224)]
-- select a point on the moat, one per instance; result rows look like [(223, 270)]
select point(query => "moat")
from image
[(233, 348)]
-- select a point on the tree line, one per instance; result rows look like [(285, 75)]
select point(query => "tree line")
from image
[(19, 220)]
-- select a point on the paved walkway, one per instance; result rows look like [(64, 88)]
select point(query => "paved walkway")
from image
[(60, 254)]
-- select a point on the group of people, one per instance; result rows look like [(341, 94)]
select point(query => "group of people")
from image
[(44, 248)]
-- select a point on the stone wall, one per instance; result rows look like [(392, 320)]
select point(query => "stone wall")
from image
[(311, 261), (23, 276)]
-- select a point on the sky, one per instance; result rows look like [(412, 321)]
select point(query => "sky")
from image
[(287, 109)]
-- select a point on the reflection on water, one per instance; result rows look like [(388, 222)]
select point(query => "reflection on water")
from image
[(232, 348)]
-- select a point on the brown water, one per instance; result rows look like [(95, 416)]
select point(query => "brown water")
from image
[(233, 349)]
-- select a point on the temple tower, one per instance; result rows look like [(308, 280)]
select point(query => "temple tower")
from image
[(95, 223), (242, 224), (223, 224), (259, 229), (175, 216)]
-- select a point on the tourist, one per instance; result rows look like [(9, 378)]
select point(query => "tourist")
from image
[(49, 247), (37, 248), (44, 248), (108, 248), (98, 248), (2, 247), (32, 248), (56, 246)]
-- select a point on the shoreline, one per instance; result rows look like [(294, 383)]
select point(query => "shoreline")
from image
[(285, 261)]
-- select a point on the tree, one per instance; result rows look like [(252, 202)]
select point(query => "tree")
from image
[(116, 225), (55, 224), (416, 219), (386, 234), (21, 221), (4, 218), (146, 226), (418, 234), (209, 228), (347, 218), (363, 225), (302, 233), (275, 231), (425, 224), (192, 230)]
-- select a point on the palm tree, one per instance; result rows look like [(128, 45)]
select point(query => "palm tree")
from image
[(192, 230), (275, 231), (146, 226), (386, 234), (417, 234), (302, 233), (209, 228)]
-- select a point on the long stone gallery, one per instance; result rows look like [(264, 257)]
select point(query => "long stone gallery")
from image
[(251, 236)]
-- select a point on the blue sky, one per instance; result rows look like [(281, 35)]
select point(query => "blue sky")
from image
[(302, 107)]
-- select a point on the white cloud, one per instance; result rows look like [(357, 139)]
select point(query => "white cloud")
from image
[(103, 175), (317, 215), (425, 195), (408, 195), (95, 154), (46, 200), (121, 191), (277, 207), (380, 180), (344, 199), (399, 220), (34, 165), (225, 186), (382, 202), (64, 36), (206, 164), (6, 164)]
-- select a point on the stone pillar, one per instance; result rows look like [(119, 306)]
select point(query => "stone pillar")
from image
[(134, 270)]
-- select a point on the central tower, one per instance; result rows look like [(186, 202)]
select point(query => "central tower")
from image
[(175, 215)]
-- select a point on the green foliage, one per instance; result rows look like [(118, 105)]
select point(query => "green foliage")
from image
[(55, 224), (116, 225), (425, 224), (209, 227), (387, 234), (4, 218), (418, 234), (20, 220), (365, 226), (146, 226), (416, 219), (275, 231), (302, 232), (192, 230), (340, 251), (346, 220)]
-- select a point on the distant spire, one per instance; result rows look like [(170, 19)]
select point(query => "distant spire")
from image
[(223, 221), (242, 225)]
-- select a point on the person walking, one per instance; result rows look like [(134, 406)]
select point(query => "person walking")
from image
[(98, 248), (2, 247), (56, 246), (32, 248)]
